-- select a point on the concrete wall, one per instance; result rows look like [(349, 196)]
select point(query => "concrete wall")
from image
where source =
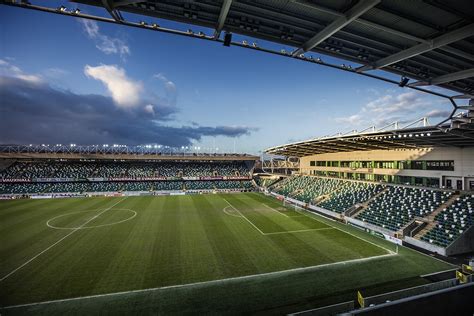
[(425, 245), (463, 244)]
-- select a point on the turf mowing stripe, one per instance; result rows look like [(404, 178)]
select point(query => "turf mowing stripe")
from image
[(57, 242), (244, 217), (204, 283), (299, 231)]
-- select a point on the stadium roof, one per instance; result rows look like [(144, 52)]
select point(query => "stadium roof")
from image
[(405, 138), (431, 42), (120, 152)]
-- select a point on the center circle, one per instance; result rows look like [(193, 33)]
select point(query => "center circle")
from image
[(127, 215)]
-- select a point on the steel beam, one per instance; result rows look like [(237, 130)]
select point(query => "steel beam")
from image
[(110, 7), (222, 17), (122, 3), (463, 74), (351, 14), (435, 43)]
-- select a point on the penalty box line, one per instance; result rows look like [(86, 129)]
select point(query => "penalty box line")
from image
[(273, 233), (304, 212), (244, 217), (212, 282), (57, 242)]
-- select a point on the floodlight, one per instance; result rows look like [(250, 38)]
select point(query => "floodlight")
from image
[(227, 39), (76, 11), (403, 81), (62, 8)]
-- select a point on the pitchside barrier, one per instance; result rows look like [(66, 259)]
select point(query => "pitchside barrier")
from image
[(328, 310), (397, 295)]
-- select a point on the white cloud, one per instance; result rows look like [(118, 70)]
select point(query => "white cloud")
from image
[(389, 108), (124, 91), (107, 45), (149, 109), (9, 70), (438, 114), (169, 85), (55, 72)]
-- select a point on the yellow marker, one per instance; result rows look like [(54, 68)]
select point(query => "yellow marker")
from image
[(360, 299), (461, 277)]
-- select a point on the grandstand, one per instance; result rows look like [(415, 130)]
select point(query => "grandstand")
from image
[(85, 175), (413, 184), (328, 225)]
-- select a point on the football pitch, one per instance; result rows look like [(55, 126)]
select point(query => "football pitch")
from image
[(218, 253)]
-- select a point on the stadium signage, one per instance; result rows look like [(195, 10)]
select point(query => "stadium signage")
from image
[(236, 178), (137, 179), (393, 239), (211, 178), (56, 180), (123, 179), (14, 180)]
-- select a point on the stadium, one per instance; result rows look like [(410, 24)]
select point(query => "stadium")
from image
[(372, 221)]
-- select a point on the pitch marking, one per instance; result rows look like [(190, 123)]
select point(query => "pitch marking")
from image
[(57, 242), (271, 208), (299, 231), (244, 217), (94, 226), (204, 283), (304, 213), (227, 212)]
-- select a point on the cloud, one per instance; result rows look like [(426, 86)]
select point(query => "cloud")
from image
[(9, 70), (39, 113), (55, 73), (124, 91), (169, 85), (438, 114), (107, 45), (389, 108)]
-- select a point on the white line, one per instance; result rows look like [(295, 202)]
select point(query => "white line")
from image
[(346, 232), (89, 227), (275, 210), (204, 283), (57, 242), (299, 231), (225, 211), (244, 217)]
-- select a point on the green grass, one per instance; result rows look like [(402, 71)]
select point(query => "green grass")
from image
[(179, 240)]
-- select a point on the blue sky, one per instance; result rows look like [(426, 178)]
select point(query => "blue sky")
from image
[(127, 85)]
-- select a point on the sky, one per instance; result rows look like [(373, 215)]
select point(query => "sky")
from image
[(69, 80)]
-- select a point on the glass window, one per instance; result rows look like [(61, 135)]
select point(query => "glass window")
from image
[(447, 165)]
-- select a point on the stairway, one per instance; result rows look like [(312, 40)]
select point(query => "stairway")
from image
[(431, 218), (366, 203)]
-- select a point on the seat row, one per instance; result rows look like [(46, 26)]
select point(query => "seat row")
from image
[(452, 222), (94, 169), (399, 205)]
